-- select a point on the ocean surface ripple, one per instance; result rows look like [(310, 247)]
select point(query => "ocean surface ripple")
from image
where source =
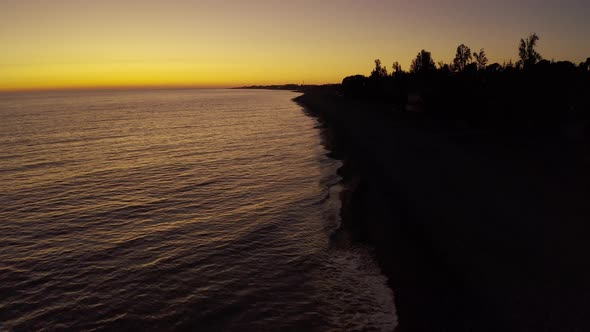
[(175, 209)]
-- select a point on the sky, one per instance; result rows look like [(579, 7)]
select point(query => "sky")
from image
[(63, 44)]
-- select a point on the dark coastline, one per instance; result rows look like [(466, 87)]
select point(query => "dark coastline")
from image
[(475, 232)]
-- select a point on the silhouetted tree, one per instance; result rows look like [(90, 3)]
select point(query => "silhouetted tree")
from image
[(423, 63), (462, 58), (379, 71), (480, 59), (508, 65), (494, 68), (443, 68), (397, 68), (470, 68), (545, 64), (355, 86), (528, 55)]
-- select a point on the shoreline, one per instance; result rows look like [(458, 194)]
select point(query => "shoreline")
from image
[(458, 227)]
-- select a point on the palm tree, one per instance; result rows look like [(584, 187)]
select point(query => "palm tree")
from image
[(528, 55), (480, 59)]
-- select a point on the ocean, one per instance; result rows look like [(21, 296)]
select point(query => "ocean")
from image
[(204, 210)]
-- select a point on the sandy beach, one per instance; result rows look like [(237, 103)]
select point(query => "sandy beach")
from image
[(474, 231)]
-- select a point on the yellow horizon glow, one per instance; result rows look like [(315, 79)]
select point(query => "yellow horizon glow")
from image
[(131, 75), (67, 44)]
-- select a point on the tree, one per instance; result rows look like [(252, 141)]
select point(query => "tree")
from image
[(444, 67), (480, 59), (355, 86), (423, 63), (379, 70), (508, 66), (494, 68), (462, 58), (397, 68), (528, 55)]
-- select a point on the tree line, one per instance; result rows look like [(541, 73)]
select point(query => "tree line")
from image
[(530, 94), (466, 60)]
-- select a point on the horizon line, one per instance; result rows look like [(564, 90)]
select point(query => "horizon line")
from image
[(139, 87)]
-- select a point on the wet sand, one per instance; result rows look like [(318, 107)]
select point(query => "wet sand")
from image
[(474, 231)]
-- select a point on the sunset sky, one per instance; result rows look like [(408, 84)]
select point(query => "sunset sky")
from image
[(122, 43)]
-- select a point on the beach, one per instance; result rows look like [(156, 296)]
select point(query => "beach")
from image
[(474, 231)]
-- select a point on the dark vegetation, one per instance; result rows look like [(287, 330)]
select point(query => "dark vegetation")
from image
[(530, 96), (471, 182), (273, 87)]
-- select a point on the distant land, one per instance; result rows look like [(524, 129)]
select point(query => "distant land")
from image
[(293, 87)]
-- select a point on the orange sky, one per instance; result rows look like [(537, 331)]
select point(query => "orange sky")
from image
[(87, 44)]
